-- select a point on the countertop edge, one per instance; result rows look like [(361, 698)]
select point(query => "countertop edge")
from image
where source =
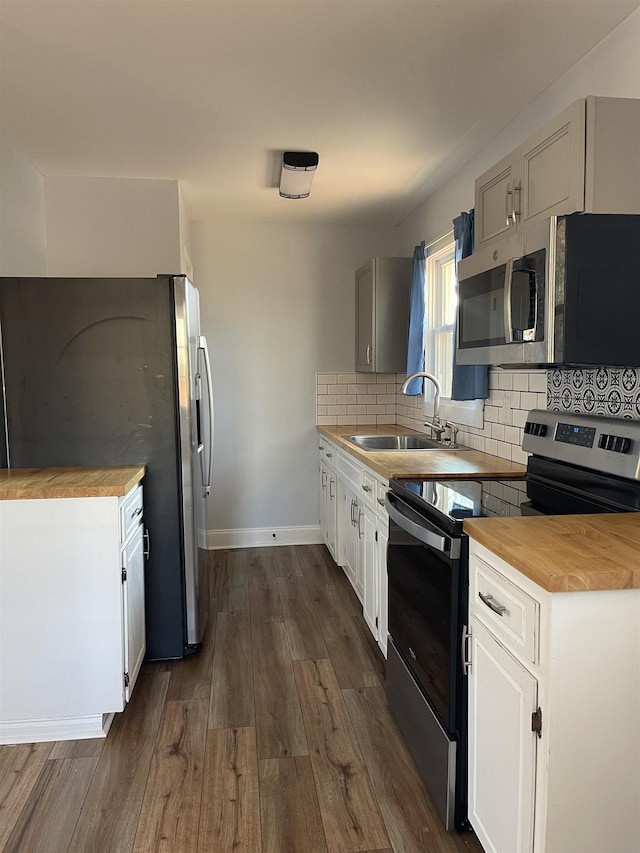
[(131, 475), (593, 562)]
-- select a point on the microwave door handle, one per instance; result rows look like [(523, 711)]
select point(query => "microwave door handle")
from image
[(508, 325)]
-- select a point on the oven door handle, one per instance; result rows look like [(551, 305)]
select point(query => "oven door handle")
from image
[(423, 531)]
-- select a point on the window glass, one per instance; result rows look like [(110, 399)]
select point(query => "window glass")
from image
[(441, 299)]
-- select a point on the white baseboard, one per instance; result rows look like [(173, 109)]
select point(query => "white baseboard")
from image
[(258, 537), (67, 728)]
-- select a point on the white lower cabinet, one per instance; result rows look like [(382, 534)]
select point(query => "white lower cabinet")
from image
[(362, 527), (554, 692), (328, 498), (72, 625), (502, 696)]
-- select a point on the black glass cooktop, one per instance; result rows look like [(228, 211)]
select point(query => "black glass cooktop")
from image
[(449, 502)]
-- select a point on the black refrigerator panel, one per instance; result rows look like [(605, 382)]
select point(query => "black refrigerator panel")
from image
[(89, 379)]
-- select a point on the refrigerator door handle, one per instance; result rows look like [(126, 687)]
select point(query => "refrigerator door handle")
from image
[(206, 482)]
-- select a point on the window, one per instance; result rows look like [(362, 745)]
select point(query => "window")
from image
[(441, 302), (441, 299)]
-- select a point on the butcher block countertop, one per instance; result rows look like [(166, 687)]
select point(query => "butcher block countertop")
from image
[(425, 464), (30, 483), (566, 553)]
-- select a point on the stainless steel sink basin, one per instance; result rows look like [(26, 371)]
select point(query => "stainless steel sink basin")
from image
[(397, 442)]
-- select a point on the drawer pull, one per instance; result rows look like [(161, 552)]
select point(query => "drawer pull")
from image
[(381, 501), (489, 600), (147, 544), (137, 511), (366, 488)]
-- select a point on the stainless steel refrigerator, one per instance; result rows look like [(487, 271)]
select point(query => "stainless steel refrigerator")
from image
[(99, 371)]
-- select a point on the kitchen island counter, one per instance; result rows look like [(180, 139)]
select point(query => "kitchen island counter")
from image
[(99, 482), (566, 553)]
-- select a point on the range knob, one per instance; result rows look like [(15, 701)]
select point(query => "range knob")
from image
[(616, 443), (532, 428)]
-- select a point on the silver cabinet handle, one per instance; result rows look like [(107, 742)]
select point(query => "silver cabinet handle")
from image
[(321, 447), (381, 501), (331, 482), (466, 662), (329, 455), (324, 479), (136, 511), (508, 204), (353, 503), (517, 199), (489, 600), (366, 488), (360, 516), (147, 544), (368, 353)]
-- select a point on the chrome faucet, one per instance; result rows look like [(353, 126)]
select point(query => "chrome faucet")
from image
[(437, 427)]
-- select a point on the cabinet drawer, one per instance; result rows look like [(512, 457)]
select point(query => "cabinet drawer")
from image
[(510, 613), (368, 488), (328, 454), (350, 471), (130, 512), (381, 491)]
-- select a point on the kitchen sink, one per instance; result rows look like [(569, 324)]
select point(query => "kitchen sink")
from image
[(397, 442)]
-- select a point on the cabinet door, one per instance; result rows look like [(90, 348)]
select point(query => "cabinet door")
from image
[(349, 542), (133, 607), (331, 512), (322, 490), (366, 578), (552, 167), (382, 537), (365, 313), (502, 747), (494, 202)]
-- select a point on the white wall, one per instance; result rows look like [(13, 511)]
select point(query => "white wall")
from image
[(112, 226), (277, 304), (611, 68), (23, 244)]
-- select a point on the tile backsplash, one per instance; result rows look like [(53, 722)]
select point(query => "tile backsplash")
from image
[(610, 391), (366, 398)]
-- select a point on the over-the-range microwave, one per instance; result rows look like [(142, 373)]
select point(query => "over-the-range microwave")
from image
[(564, 291)]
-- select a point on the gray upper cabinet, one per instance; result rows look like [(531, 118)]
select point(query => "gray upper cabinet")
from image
[(382, 310), (586, 159)]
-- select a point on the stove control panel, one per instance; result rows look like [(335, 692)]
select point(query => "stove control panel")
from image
[(607, 445), (583, 436)]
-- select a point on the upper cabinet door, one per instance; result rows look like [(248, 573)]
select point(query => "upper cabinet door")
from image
[(365, 314), (552, 168), (494, 201), (543, 177), (382, 315)]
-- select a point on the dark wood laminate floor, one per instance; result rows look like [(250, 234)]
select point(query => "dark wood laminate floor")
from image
[(275, 737)]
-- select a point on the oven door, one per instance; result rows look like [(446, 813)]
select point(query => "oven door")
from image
[(426, 589)]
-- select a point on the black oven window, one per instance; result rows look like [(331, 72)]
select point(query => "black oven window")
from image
[(420, 616)]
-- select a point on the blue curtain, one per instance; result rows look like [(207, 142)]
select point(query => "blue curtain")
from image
[(415, 347), (470, 382)]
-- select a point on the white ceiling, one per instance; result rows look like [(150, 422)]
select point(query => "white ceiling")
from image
[(394, 95)]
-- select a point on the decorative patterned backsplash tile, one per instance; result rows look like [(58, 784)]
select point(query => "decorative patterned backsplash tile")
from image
[(610, 391)]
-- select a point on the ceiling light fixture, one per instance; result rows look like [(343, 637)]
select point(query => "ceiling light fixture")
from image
[(298, 169)]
